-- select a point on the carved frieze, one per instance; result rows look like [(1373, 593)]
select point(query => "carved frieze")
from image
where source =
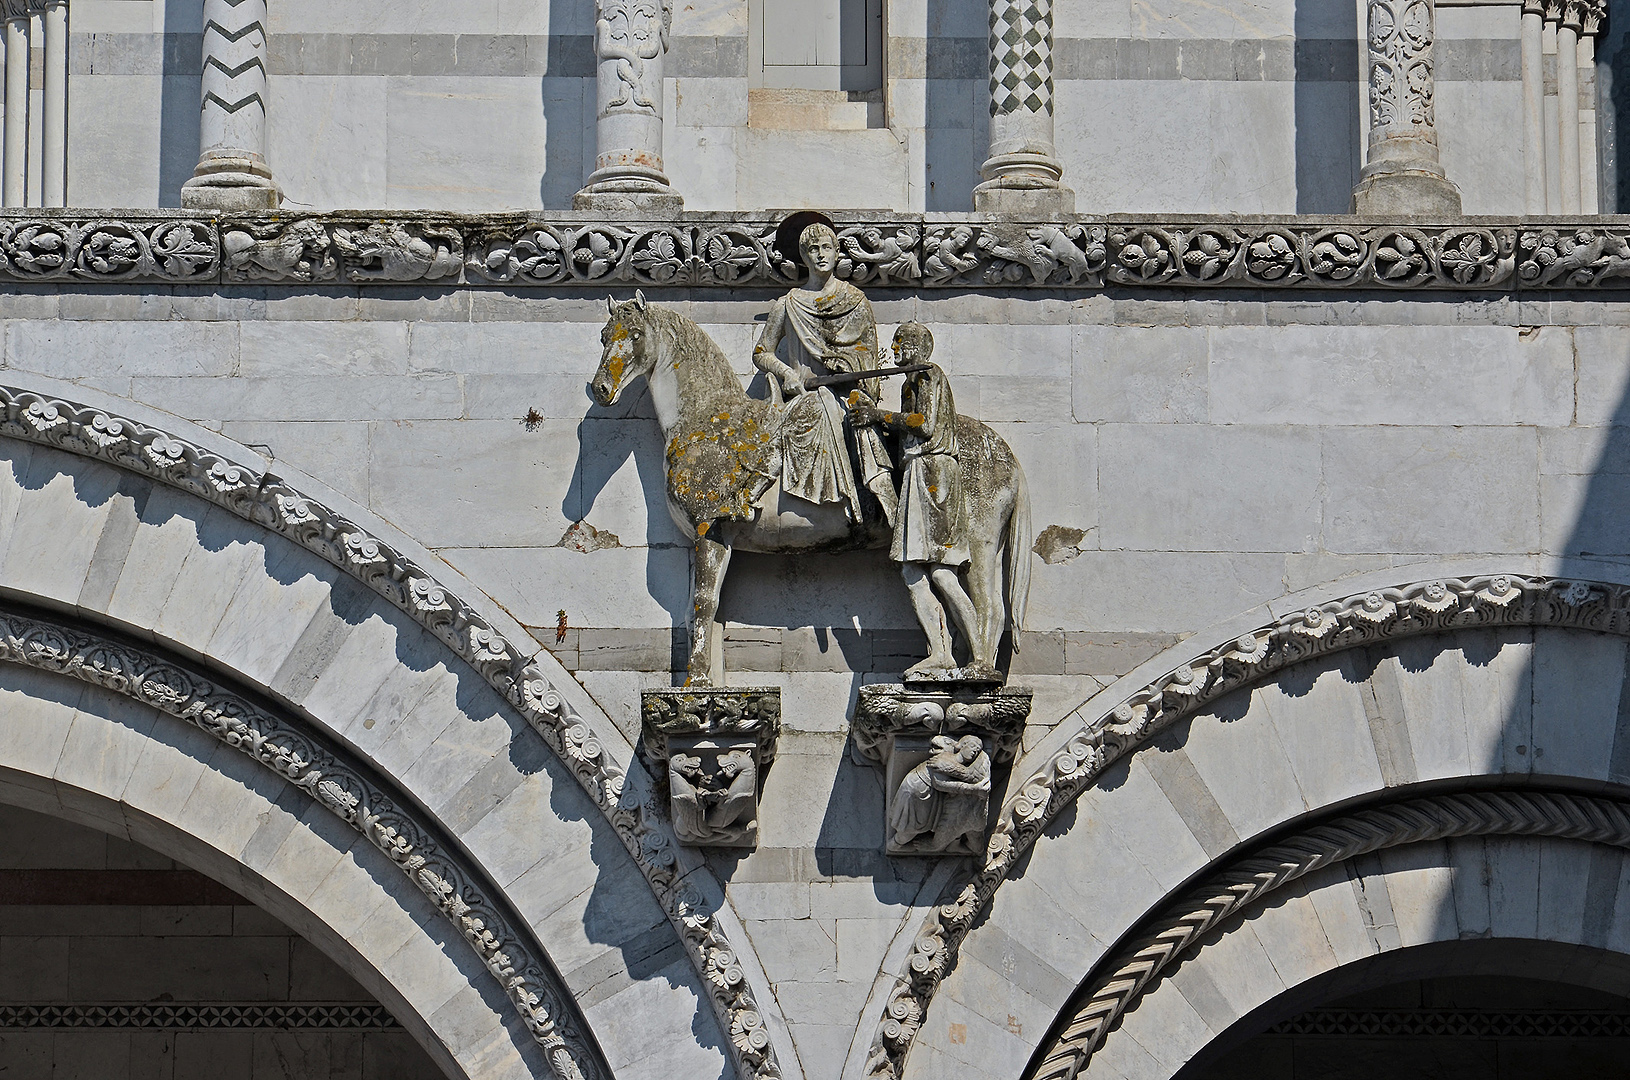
[(713, 745), (937, 747), (900, 251)]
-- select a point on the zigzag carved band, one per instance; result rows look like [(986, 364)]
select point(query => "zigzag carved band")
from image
[(1115, 985)]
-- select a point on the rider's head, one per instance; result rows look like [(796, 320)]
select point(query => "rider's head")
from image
[(818, 247), (913, 343)]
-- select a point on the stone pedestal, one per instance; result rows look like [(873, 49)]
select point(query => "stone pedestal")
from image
[(937, 745), (712, 747)]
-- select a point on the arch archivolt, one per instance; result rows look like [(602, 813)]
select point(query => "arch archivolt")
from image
[(1494, 678), (105, 518)]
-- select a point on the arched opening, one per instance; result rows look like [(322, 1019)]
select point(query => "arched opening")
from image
[(116, 960), (1463, 1010)]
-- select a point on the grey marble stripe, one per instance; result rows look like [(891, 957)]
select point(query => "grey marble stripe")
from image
[(1203, 59), (474, 55)]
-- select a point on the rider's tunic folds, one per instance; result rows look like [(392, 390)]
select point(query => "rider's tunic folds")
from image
[(837, 332)]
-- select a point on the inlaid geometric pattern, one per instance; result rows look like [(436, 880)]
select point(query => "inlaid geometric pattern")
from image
[(183, 1017), (235, 55), (1456, 1023), (1021, 56)]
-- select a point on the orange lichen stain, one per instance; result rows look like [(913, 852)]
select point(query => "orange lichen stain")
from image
[(701, 530), (916, 419)]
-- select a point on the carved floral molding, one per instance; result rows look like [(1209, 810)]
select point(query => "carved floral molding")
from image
[(574, 250), (317, 767), (265, 500), (1423, 607)]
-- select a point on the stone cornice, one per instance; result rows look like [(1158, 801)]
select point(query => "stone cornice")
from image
[(688, 895), (1380, 615), (934, 251), (317, 766)]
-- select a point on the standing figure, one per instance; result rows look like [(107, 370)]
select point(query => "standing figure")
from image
[(828, 328), (931, 523)]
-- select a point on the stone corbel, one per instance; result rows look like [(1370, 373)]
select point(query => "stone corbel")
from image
[(937, 748), (713, 747)]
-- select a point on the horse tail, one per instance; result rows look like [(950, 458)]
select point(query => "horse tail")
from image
[(1018, 555)]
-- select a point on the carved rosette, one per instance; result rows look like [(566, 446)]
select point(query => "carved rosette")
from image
[(937, 748), (713, 746)]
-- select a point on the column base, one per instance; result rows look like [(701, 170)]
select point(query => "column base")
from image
[(1024, 196), (238, 182), (1406, 193), (622, 190)]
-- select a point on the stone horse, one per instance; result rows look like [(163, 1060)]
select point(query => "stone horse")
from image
[(723, 466)]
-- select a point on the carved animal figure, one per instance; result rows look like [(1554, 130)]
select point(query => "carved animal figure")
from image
[(297, 253), (394, 254), (723, 478)]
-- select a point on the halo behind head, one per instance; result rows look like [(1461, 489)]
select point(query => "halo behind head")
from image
[(788, 232)]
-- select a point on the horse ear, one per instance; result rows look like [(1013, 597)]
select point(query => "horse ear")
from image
[(611, 306), (639, 299)]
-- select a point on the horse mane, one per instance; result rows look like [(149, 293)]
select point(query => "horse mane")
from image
[(685, 339)]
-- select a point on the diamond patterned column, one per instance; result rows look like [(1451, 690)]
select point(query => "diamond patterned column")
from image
[(1022, 174)]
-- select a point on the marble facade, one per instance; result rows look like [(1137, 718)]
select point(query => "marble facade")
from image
[(329, 573)]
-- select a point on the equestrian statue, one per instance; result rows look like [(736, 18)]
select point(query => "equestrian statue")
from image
[(819, 466)]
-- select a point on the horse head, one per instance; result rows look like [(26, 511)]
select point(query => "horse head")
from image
[(629, 349)]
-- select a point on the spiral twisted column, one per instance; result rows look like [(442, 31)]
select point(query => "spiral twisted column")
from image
[(232, 173), (1403, 176), (630, 42), (1022, 174)]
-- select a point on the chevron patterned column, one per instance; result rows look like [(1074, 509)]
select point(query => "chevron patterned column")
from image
[(1022, 172), (232, 172)]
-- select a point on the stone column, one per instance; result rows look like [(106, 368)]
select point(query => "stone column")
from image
[(54, 115), (232, 172), (1533, 106), (1403, 176), (14, 186), (1022, 173), (630, 40), (1567, 102)]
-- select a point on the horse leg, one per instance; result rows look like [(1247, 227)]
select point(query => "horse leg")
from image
[(985, 589), (706, 665)]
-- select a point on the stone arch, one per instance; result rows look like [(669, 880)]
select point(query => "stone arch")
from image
[(1481, 679), (101, 732), (333, 618), (1136, 1014)]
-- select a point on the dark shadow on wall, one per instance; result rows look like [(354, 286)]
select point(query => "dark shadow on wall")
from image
[(1328, 128), (180, 94), (1613, 109), (567, 91), (956, 114)]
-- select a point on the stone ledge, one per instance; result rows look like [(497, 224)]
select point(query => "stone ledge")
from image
[(567, 250)]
